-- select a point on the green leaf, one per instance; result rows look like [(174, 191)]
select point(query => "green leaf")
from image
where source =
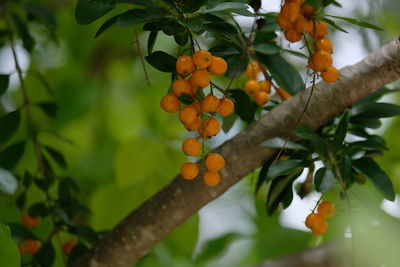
[(4, 82), (57, 157), (49, 108), (221, 28), (295, 53), (162, 61), (327, 2), (324, 179), (46, 255), (319, 143), (283, 167), (190, 6), (215, 247), (223, 50), (264, 36), (334, 25), (244, 107), (11, 155), (151, 41), (181, 37), (373, 97), (20, 232), (279, 142), (262, 176), (267, 48), (41, 14), (345, 167), (186, 99), (76, 253), (85, 232), (360, 122), (39, 210), (9, 124), (106, 25), (316, 4), (138, 16), (87, 11), (375, 110), (378, 177), (228, 122), (341, 131), (373, 142), (285, 75), (236, 65), (229, 7), (23, 32), (9, 253), (357, 22)]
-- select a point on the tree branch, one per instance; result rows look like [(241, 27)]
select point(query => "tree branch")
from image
[(146, 226)]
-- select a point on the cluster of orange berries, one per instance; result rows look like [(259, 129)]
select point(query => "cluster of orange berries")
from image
[(317, 221), (297, 19), (199, 116)]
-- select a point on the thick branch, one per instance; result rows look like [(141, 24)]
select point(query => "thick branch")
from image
[(146, 226)]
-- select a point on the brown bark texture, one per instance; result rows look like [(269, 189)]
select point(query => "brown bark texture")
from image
[(158, 216)]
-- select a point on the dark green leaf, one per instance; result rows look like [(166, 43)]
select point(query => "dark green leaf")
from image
[(231, 7), (46, 255), (195, 23), (57, 157), (244, 107), (223, 50), (267, 48), (334, 25), (295, 53), (76, 253), (85, 232), (186, 99), (345, 166), (162, 61), (264, 37), (190, 6), (66, 188), (279, 142), (4, 82), (341, 131), (11, 155), (378, 177), (181, 38), (106, 25), (316, 4), (87, 11), (23, 32), (262, 176), (377, 95), (236, 65), (9, 253), (357, 22), (151, 41), (20, 232), (324, 179), (375, 110), (215, 247), (9, 124), (39, 210), (360, 122), (373, 142), (20, 201), (283, 167), (41, 14), (221, 28), (327, 2), (50, 108), (228, 122), (319, 143), (138, 16), (27, 180)]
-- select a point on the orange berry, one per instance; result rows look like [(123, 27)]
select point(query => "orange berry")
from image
[(321, 60), (184, 66), (210, 104), (170, 103), (253, 69), (189, 170), (182, 86), (320, 228), (325, 44), (251, 87), (330, 75), (225, 107), (292, 35), (191, 146), (68, 246), (211, 178), (326, 209), (29, 221), (307, 11), (197, 106), (194, 125), (200, 78), (290, 11), (312, 220), (215, 162), (321, 29), (261, 98), (188, 114), (283, 24), (304, 25), (283, 94), (202, 59), (30, 247), (211, 127), (265, 86), (218, 65)]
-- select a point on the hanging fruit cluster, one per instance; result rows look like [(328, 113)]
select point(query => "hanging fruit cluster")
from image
[(317, 221), (197, 111), (300, 21)]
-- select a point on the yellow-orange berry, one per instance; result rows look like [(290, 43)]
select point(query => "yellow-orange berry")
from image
[(200, 78), (251, 87), (261, 98), (30, 247), (202, 59), (225, 107), (290, 11), (320, 228), (253, 69), (307, 11), (321, 60), (191, 146), (215, 162), (316, 223), (184, 66), (321, 29), (218, 65), (194, 125), (68, 246), (211, 127), (265, 86), (292, 35), (326, 209), (211, 178), (182, 86), (330, 75), (283, 24), (210, 104), (30, 221), (170, 103), (311, 220), (188, 114), (303, 25), (325, 44), (189, 170)]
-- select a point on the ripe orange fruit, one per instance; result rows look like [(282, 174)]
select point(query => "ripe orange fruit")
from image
[(321, 29), (197, 106), (29, 221), (292, 35), (194, 125), (253, 69), (189, 170), (30, 247), (262, 98), (68, 246), (215, 162), (188, 114), (182, 86), (325, 44), (200, 78), (283, 24), (307, 11), (225, 107), (304, 25), (326, 209), (170, 103), (283, 94), (321, 60), (320, 228), (218, 65), (290, 11), (202, 59), (184, 66), (210, 104), (251, 87), (330, 75), (211, 178), (312, 220), (191, 146), (265, 86), (211, 127)]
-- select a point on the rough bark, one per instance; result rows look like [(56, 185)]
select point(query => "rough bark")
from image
[(146, 226)]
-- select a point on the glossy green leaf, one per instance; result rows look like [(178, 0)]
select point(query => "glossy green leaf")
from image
[(87, 11), (223, 50), (11, 155), (27, 40), (341, 131), (244, 107), (375, 110), (226, 6), (46, 255), (186, 99), (57, 156), (319, 143), (9, 253), (106, 25), (267, 48), (283, 167), (324, 179), (162, 61), (151, 41), (138, 16), (4, 82), (357, 22), (279, 142), (190, 6), (221, 28), (85, 232), (345, 167)]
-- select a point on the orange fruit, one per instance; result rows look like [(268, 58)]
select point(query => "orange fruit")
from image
[(330, 75), (304, 25), (292, 35), (251, 87), (326, 209), (202, 59), (210, 104), (211, 178), (290, 12), (320, 228), (194, 125), (218, 65), (170, 103), (283, 24), (307, 11), (225, 107), (197, 106), (30, 247), (325, 44), (253, 69), (261, 98), (191, 146), (321, 60), (320, 30), (182, 86), (184, 66), (188, 114), (265, 86), (215, 162), (200, 78), (68, 246), (29, 221), (283, 94), (211, 127), (312, 220), (189, 170)]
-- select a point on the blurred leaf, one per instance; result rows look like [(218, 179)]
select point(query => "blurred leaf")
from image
[(50, 108), (138, 16), (162, 61), (20, 201), (357, 22), (181, 37), (223, 50), (106, 25), (316, 4), (11, 155), (23, 32), (244, 107), (262, 176), (334, 25), (4, 82), (190, 6), (267, 48), (20, 232), (236, 65), (76, 253), (228, 122), (226, 6), (295, 53), (9, 253), (341, 132), (186, 99), (41, 14), (215, 247), (85, 232), (319, 143), (283, 167), (221, 28), (8, 182), (375, 110), (378, 94), (324, 179), (46, 255), (279, 142), (345, 167), (9, 125), (39, 210), (57, 157), (327, 2), (151, 41), (87, 11)]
